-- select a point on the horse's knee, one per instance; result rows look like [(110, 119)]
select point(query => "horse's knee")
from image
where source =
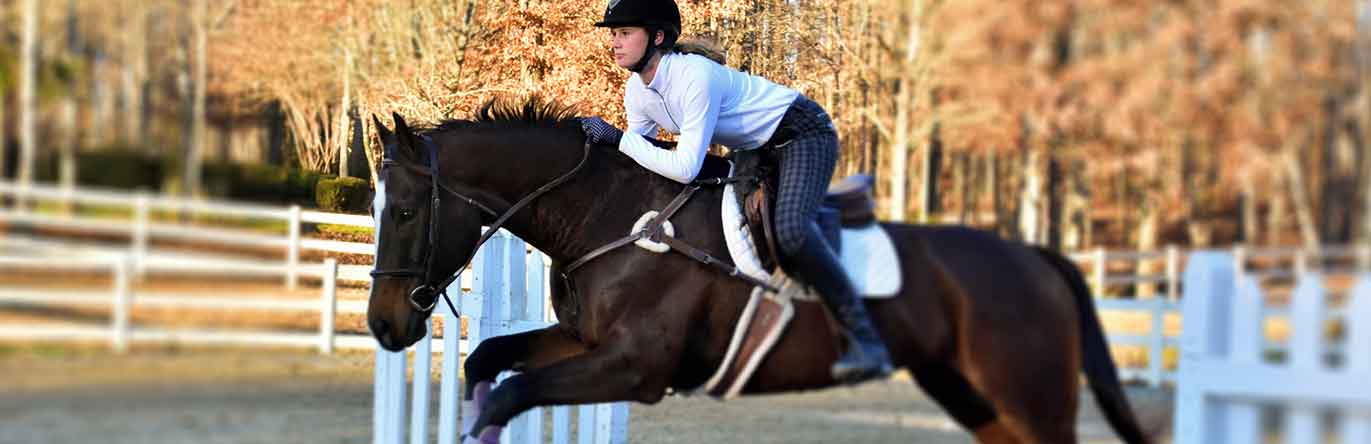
[(490, 358)]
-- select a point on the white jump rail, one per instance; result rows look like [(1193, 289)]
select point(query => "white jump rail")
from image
[(1227, 377)]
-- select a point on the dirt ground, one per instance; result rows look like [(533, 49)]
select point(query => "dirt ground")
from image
[(76, 394)]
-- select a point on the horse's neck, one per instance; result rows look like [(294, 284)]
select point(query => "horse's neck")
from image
[(599, 205), (564, 222)]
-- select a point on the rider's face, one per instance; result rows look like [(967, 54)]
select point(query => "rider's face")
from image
[(629, 43)]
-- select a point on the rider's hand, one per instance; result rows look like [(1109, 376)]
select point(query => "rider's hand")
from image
[(601, 132)]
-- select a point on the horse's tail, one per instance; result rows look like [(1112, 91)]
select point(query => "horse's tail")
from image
[(1098, 364)]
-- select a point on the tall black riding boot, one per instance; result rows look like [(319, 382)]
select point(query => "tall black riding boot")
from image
[(816, 264)]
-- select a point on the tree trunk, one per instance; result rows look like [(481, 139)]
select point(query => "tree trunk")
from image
[(196, 138), (1148, 225), (344, 117), (1030, 197), (464, 36), (1362, 219), (133, 79), (1054, 203), (1276, 215), (1342, 162), (1248, 200), (904, 96), (930, 199), (1077, 230), (1360, 135), (961, 180), (1304, 211), (67, 145), (992, 187), (1147, 241), (28, 100), (4, 139)]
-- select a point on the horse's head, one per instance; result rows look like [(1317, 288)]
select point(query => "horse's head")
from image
[(420, 237)]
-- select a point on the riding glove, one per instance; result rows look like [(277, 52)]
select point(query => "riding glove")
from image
[(601, 132)]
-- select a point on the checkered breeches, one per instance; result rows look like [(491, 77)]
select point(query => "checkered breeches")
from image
[(807, 161)]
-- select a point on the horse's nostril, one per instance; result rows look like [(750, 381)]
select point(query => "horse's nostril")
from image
[(380, 327)]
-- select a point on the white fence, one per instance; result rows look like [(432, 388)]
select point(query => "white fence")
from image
[(122, 299), (1228, 377), (508, 294), (141, 228)]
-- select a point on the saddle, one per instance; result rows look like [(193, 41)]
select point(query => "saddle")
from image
[(848, 204)]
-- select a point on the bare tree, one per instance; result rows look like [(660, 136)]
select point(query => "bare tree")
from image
[(134, 73), (195, 138), (4, 138), (28, 100)]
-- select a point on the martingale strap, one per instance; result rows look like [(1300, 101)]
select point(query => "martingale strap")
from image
[(653, 231)]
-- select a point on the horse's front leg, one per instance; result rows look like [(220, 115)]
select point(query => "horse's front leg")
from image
[(520, 352), (625, 369)]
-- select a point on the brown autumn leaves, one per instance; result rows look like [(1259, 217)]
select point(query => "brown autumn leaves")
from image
[(1181, 105)]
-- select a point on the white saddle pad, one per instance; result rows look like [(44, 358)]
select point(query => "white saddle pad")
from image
[(868, 254)]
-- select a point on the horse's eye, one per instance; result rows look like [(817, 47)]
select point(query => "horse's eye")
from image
[(406, 213)]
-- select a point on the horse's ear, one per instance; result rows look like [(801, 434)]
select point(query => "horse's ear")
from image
[(387, 138), (400, 126), (404, 136)]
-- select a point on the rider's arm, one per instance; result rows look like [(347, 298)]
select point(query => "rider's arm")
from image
[(638, 123), (701, 108)]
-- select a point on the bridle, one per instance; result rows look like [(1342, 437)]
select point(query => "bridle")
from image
[(424, 297)]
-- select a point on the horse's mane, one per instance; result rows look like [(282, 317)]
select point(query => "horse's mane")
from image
[(533, 111)]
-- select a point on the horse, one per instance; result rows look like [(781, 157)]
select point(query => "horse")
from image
[(994, 331)]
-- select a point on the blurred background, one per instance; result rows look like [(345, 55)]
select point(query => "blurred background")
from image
[(213, 161)]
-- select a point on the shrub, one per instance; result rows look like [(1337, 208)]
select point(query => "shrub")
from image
[(342, 194)]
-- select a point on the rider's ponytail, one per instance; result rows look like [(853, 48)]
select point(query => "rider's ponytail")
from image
[(704, 47)]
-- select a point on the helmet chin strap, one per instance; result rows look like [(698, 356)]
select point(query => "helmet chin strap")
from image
[(647, 55)]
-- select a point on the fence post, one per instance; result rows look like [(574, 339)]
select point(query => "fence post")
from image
[(1301, 263), (1209, 279), (1157, 344), (611, 423), (1245, 347), (1356, 425), (1306, 349), (1173, 273), (1239, 259), (329, 305), (293, 249), (448, 392), (139, 236), (123, 304), (1363, 258), (561, 424), (1101, 269), (423, 366)]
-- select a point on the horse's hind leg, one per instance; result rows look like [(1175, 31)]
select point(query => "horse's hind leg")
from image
[(1034, 396), (972, 411)]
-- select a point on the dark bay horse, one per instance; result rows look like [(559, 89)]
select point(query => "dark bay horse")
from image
[(996, 332)]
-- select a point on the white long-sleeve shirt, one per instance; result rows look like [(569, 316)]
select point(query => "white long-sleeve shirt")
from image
[(704, 102)]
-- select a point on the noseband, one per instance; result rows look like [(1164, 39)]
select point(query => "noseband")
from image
[(424, 297)]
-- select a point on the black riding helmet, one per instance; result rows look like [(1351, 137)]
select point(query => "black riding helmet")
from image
[(653, 15)]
